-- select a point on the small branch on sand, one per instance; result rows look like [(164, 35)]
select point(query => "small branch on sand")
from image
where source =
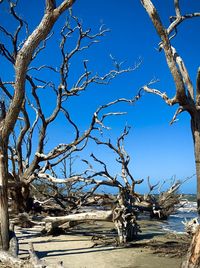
[(33, 261)]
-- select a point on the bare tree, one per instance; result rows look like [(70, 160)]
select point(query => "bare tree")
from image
[(20, 57), (124, 214), (28, 164), (25, 159), (186, 95)]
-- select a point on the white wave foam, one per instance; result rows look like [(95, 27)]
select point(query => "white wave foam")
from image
[(174, 223), (176, 216), (187, 206), (173, 231)]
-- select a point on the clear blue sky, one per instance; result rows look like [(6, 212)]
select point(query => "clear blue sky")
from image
[(157, 149)]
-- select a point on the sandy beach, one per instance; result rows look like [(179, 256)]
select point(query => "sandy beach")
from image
[(92, 245)]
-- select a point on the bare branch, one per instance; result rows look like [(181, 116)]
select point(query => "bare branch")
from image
[(176, 21), (178, 111), (163, 95), (198, 88), (185, 75), (177, 8), (65, 4), (23, 60), (50, 5), (151, 187), (180, 95), (16, 34)]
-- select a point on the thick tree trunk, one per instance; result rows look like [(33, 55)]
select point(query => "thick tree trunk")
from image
[(195, 126), (124, 218), (4, 218), (99, 215), (52, 223), (21, 199)]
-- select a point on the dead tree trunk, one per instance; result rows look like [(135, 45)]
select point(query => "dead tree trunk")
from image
[(193, 256), (3, 199), (52, 223), (124, 218), (21, 200), (195, 127), (4, 219)]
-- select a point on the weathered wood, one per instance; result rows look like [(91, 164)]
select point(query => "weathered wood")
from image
[(52, 228), (124, 217), (191, 226), (195, 126), (193, 256), (162, 206), (55, 224), (33, 262), (4, 218), (100, 215), (13, 242), (11, 261)]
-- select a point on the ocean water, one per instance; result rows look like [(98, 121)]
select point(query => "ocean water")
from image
[(187, 212)]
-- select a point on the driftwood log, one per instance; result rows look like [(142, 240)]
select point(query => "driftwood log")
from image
[(52, 223), (100, 215)]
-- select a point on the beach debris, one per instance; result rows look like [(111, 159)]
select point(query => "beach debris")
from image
[(191, 226), (36, 262), (32, 262), (13, 241), (160, 206), (193, 255), (53, 224)]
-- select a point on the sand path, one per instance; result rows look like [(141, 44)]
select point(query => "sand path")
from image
[(76, 251)]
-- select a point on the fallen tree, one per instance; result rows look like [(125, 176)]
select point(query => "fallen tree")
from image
[(125, 206), (162, 205), (53, 223)]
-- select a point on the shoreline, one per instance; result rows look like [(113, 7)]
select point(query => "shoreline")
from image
[(92, 245)]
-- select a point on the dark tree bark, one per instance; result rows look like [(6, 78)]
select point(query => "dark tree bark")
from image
[(3, 197), (4, 219), (195, 127)]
